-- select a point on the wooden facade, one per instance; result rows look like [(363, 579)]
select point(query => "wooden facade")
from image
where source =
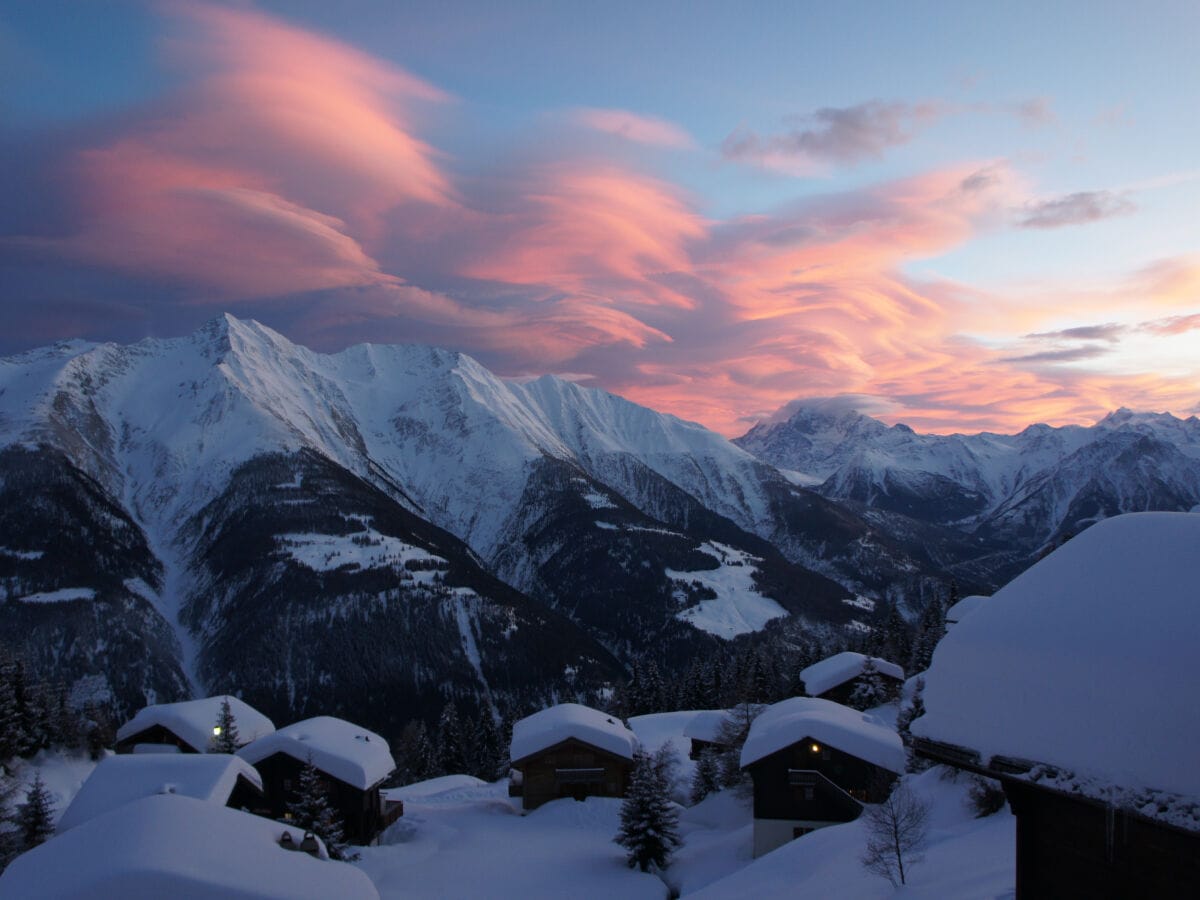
[(808, 785), (841, 693), (701, 746), (364, 813), (571, 768), (1069, 845), (156, 734)]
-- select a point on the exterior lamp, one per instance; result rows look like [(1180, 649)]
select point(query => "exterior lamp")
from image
[(816, 748)]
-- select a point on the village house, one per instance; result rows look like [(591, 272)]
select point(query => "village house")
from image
[(704, 731), (837, 677), (1074, 687), (188, 726), (170, 845), (214, 777), (815, 763), (352, 761), (570, 750)]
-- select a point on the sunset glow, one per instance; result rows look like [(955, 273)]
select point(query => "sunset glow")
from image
[(965, 246)]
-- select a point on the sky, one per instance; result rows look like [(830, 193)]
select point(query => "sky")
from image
[(963, 217)]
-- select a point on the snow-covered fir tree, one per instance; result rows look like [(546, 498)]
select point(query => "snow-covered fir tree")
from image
[(649, 820), (870, 690), (225, 732), (930, 630), (311, 810), (451, 754), (35, 817), (914, 709)]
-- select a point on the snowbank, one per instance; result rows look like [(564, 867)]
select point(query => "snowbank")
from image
[(183, 848), (840, 668), (346, 751), (964, 607), (1085, 662), (193, 720), (859, 734), (122, 779), (706, 725), (570, 720)]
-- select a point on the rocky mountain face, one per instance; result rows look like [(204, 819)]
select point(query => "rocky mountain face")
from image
[(1014, 496), (375, 531)]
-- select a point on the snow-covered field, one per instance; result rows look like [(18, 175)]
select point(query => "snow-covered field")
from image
[(738, 608), (461, 837)]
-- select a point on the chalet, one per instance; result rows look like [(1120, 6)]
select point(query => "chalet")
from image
[(964, 607), (704, 731), (353, 762), (214, 777), (571, 751), (188, 726), (1075, 688), (170, 845), (837, 677), (815, 763)]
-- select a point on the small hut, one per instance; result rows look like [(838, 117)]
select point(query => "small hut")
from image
[(188, 726), (815, 763), (837, 677), (704, 731), (571, 750)]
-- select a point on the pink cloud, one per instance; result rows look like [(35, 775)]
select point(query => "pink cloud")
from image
[(634, 127)]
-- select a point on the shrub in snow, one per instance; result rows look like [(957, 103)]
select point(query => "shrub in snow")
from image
[(707, 779), (897, 831), (985, 797), (225, 734), (649, 820), (311, 811)]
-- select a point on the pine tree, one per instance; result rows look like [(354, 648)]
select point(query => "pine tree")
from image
[(897, 643), (11, 741), (731, 734), (914, 710), (930, 630), (225, 734), (450, 757), (707, 779), (649, 821), (870, 691), (35, 816), (310, 809)]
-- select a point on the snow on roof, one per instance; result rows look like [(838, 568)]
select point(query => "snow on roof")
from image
[(571, 720), (183, 848), (122, 779), (346, 751), (706, 725), (193, 720), (963, 607), (1085, 662), (859, 734), (840, 668)]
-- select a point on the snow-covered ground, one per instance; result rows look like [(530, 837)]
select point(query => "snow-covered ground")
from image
[(461, 837), (738, 607)]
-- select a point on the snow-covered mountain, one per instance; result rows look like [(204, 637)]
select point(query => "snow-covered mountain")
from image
[(1025, 491), (389, 522)]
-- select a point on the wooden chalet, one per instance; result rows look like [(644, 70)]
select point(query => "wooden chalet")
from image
[(188, 726), (837, 677), (216, 778), (570, 751), (1073, 687), (352, 761), (815, 763), (704, 731)]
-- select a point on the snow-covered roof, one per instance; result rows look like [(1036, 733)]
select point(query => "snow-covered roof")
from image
[(705, 725), (193, 720), (964, 607), (1085, 662), (182, 848), (859, 734), (346, 751), (840, 668), (571, 720), (122, 779)]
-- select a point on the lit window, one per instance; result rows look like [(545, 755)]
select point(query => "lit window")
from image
[(216, 731), (816, 748)]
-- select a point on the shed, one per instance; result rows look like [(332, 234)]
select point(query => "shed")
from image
[(1074, 687), (189, 725), (353, 761), (214, 777), (704, 731), (183, 848), (814, 763), (837, 677), (571, 750)]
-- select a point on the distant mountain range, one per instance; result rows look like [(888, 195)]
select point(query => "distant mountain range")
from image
[(372, 532)]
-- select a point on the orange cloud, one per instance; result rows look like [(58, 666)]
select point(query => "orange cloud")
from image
[(633, 127)]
